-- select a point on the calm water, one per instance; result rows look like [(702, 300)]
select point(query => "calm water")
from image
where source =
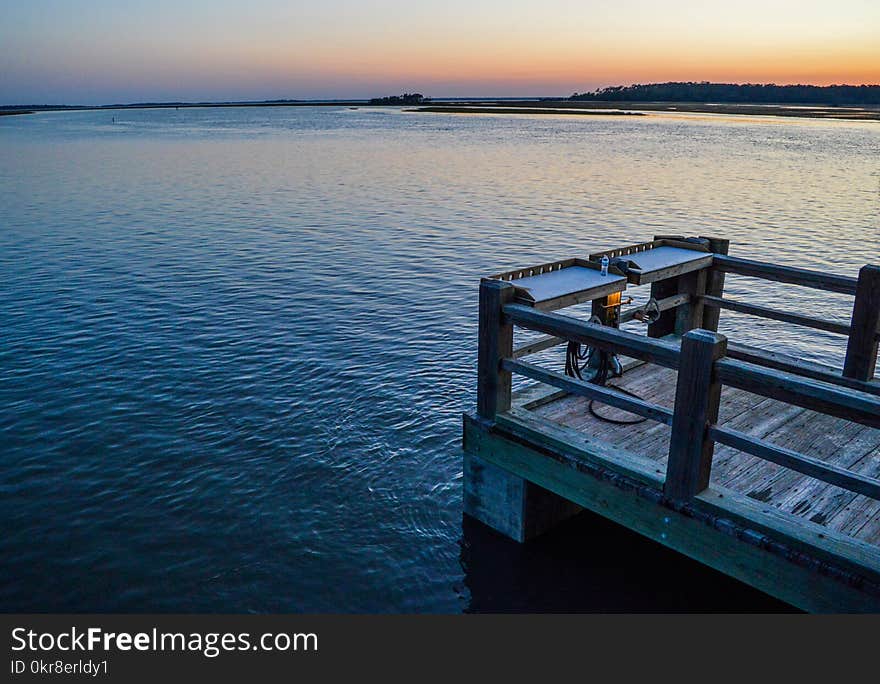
[(235, 344)]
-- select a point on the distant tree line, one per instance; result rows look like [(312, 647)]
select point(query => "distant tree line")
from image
[(735, 92), (405, 99)]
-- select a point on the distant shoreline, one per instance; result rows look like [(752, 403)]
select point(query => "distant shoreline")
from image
[(522, 110), (33, 109), (521, 106), (849, 113)]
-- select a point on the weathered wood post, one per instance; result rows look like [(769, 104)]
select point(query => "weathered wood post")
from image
[(861, 349), (687, 316), (697, 397), (495, 343), (493, 495), (714, 283), (661, 289)]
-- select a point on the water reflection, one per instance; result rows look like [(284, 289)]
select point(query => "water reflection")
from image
[(592, 565)]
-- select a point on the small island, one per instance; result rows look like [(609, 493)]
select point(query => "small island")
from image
[(407, 100)]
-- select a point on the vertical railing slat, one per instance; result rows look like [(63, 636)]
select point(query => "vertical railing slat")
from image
[(697, 397)]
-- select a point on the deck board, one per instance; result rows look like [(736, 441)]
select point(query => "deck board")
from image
[(833, 440)]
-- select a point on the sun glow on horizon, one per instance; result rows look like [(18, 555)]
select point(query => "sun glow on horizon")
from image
[(140, 50)]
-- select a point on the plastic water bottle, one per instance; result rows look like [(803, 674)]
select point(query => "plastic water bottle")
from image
[(605, 263)]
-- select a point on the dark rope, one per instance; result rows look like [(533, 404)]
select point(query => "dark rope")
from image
[(578, 357), (616, 421)]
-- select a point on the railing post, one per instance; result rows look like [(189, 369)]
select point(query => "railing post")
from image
[(495, 343), (861, 349), (661, 289), (688, 316), (714, 284), (697, 397)]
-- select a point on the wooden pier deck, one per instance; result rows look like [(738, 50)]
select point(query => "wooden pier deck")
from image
[(757, 464), (833, 440)]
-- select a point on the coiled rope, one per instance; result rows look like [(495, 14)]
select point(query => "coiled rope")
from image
[(579, 357)]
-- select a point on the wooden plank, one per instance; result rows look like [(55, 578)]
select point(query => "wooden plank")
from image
[(735, 407), (657, 385), (792, 364), (861, 351), (662, 304), (858, 556), (577, 279), (829, 282), (624, 251), (586, 389), (661, 352), (578, 297), (645, 382), (662, 290), (697, 397), (783, 425), (541, 432), (542, 344), (495, 342), (639, 277), (725, 552), (535, 395), (831, 440), (840, 509), (796, 461), (740, 413), (654, 384), (773, 314), (869, 528), (546, 342), (759, 421), (690, 316), (539, 268), (861, 519), (523, 277), (805, 392)]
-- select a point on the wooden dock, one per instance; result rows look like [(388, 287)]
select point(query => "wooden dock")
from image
[(758, 464)]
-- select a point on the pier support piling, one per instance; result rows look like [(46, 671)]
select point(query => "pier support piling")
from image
[(509, 504)]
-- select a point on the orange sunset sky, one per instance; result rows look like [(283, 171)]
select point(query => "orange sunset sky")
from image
[(63, 51)]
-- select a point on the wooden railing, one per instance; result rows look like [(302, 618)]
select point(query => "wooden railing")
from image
[(703, 370), (863, 331), (828, 282), (703, 365)]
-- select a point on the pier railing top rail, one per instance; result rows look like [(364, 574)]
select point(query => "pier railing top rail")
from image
[(792, 275), (824, 397)]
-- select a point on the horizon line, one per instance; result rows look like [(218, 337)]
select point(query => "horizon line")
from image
[(342, 100)]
